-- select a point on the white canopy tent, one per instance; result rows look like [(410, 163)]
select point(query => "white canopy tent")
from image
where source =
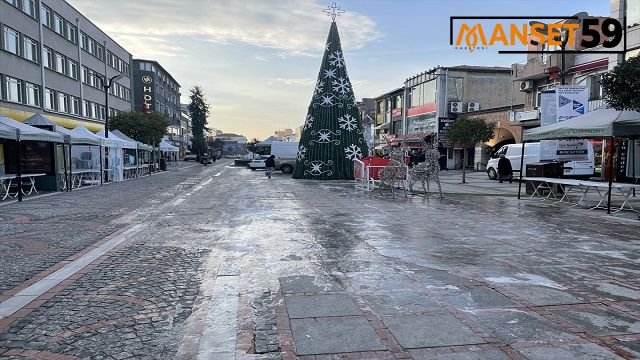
[(602, 123), (114, 168), (139, 158), (30, 133), (7, 132), (170, 150)]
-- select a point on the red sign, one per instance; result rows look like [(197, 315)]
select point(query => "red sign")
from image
[(424, 109), (396, 112)]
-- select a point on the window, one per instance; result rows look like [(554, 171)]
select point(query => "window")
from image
[(58, 24), (11, 40), (85, 108), (84, 44), (94, 110), (101, 112), (49, 100), (126, 68), (120, 65), (141, 66), (33, 94), (47, 58), (63, 102), (109, 58), (633, 14), (92, 46), (13, 89), (595, 87), (84, 75), (75, 105), (71, 33), (72, 69), (12, 2), (61, 64), (100, 52), (30, 49), (29, 7), (45, 15)]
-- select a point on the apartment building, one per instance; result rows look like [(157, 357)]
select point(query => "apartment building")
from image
[(53, 60)]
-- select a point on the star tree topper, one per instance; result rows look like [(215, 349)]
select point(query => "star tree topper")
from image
[(333, 11)]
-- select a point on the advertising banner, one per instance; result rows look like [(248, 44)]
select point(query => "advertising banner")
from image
[(572, 101), (548, 117)]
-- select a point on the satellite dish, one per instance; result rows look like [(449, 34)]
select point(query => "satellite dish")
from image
[(543, 30), (580, 16)]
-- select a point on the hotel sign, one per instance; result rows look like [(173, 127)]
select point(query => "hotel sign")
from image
[(147, 91)]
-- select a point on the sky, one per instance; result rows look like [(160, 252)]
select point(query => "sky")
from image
[(257, 60)]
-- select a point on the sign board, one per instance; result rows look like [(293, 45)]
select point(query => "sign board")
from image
[(524, 115), (548, 117), (443, 128), (571, 101)]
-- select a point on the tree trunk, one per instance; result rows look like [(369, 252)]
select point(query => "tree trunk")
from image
[(464, 164)]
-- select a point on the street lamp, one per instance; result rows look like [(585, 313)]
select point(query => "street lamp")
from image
[(106, 85)]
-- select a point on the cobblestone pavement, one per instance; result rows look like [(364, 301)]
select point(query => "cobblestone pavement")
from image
[(229, 264)]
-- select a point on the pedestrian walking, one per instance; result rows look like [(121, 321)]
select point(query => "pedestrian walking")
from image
[(270, 163), (505, 171)]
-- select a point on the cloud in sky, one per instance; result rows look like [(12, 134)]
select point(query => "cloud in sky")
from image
[(294, 26), (255, 59)]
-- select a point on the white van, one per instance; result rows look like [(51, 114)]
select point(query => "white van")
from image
[(513, 152), (286, 153)]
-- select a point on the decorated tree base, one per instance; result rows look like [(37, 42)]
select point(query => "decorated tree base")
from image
[(332, 135)]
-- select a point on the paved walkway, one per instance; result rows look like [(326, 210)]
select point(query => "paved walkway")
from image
[(219, 262)]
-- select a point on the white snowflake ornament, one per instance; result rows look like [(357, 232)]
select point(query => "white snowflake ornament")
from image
[(347, 122), (336, 59), (341, 85), (352, 152), (302, 152)]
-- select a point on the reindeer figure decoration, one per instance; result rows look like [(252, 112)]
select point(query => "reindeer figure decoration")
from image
[(426, 171), (394, 172)]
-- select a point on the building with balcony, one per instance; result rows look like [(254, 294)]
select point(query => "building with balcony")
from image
[(388, 116), (54, 61)]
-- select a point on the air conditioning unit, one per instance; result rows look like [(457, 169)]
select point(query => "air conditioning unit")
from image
[(473, 106), (526, 85), (455, 107)]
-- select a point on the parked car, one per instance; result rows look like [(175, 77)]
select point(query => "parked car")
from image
[(513, 152), (206, 159), (191, 157), (285, 153), (258, 163)]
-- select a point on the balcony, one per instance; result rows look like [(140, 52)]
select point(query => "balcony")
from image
[(535, 67)]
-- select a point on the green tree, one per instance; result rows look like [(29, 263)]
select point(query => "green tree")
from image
[(622, 85), (466, 133), (216, 145), (332, 136), (199, 110), (148, 128)]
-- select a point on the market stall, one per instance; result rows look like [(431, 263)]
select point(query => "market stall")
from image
[(30, 156), (168, 152), (110, 171), (603, 123), (120, 158), (139, 159)]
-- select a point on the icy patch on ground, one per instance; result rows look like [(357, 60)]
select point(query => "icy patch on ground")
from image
[(614, 254), (526, 279)]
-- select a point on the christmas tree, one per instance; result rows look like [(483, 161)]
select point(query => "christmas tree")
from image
[(332, 135)]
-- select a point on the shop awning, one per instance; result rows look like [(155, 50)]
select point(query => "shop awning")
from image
[(141, 146), (30, 133), (412, 138), (70, 137)]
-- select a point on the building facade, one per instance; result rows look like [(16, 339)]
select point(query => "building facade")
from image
[(367, 110), (185, 125), (388, 117), (233, 144), (54, 61), (436, 98), (155, 90)]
